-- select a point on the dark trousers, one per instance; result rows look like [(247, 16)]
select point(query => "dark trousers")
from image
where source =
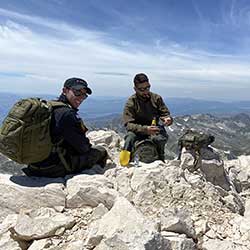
[(76, 163), (160, 141)]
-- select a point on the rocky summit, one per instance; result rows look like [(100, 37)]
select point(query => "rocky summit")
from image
[(174, 205)]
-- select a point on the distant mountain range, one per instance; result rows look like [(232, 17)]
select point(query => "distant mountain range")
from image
[(232, 133), (97, 108)]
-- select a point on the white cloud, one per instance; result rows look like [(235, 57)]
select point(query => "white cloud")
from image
[(44, 59)]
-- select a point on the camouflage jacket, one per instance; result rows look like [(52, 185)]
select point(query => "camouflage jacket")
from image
[(138, 113)]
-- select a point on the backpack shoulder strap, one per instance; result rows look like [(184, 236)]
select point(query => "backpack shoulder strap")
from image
[(57, 147), (56, 104)]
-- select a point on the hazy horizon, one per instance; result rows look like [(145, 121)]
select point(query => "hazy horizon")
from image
[(32, 94)]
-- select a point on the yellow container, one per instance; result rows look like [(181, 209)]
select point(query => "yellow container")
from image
[(153, 122), (124, 157)]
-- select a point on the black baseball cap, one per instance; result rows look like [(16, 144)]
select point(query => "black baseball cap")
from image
[(77, 83)]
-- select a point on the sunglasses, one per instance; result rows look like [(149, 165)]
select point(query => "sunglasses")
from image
[(144, 89), (78, 92)]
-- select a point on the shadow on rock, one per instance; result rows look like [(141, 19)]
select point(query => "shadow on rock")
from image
[(35, 181)]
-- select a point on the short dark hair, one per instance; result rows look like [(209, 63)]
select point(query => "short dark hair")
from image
[(140, 78)]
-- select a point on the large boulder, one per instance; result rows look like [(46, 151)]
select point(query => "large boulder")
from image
[(90, 190), (126, 228), (239, 171), (23, 193)]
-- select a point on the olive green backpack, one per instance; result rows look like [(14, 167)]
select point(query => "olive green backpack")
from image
[(193, 139), (25, 132), (146, 151)]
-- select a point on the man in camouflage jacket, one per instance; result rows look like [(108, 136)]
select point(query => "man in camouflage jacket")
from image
[(139, 111)]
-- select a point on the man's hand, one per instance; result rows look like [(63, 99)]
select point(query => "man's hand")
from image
[(167, 120), (152, 130)]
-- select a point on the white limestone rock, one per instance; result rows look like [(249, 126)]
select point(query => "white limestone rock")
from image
[(21, 192), (40, 224), (40, 244), (90, 190), (112, 244), (223, 245), (147, 183), (247, 209), (112, 143), (7, 243), (201, 226), (46, 244), (98, 212), (131, 208), (179, 241), (8, 222), (125, 225), (241, 166), (210, 165), (121, 178), (177, 221), (188, 160), (234, 202), (154, 187), (108, 137)]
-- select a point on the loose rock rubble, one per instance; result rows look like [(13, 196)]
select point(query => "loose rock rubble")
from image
[(157, 206)]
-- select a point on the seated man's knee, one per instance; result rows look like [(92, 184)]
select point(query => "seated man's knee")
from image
[(130, 136)]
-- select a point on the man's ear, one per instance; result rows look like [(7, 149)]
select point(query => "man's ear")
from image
[(134, 88)]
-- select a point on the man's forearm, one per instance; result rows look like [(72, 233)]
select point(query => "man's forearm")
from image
[(136, 128)]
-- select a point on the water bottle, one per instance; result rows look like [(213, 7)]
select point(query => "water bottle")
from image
[(136, 160)]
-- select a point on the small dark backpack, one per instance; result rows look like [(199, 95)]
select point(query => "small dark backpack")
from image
[(146, 151), (25, 132), (192, 139)]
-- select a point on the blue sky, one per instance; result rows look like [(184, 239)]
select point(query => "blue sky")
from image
[(188, 48)]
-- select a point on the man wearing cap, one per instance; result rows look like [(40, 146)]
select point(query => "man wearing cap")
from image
[(140, 110), (68, 131)]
